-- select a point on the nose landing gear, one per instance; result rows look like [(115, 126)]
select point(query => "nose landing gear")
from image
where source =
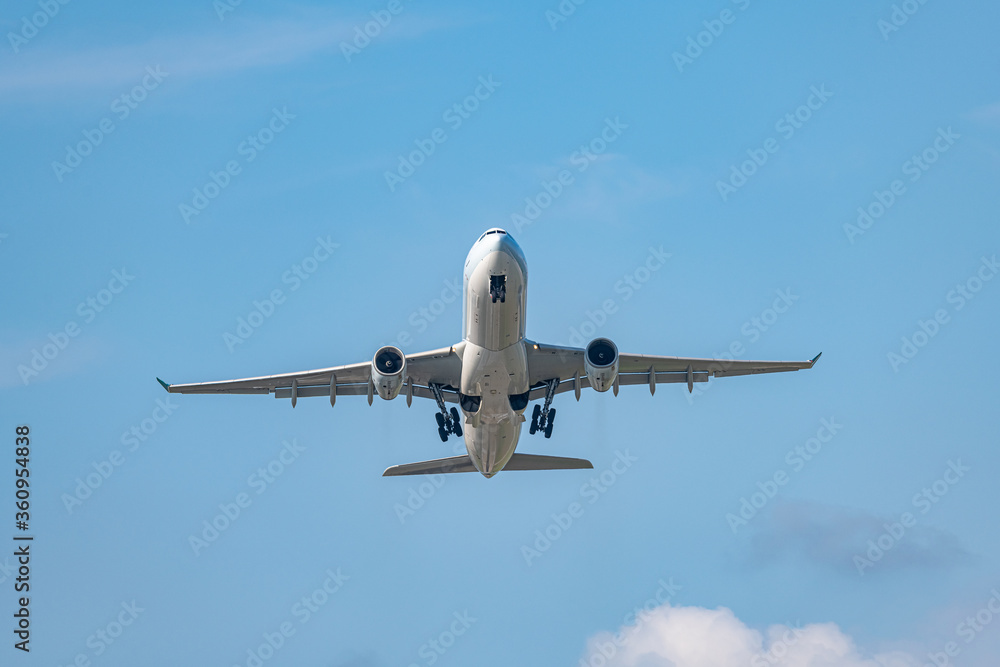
[(498, 288)]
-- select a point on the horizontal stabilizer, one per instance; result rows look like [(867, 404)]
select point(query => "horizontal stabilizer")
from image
[(434, 467), (540, 462), (464, 464)]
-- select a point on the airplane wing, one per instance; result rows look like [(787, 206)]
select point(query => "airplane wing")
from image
[(443, 367), (546, 362)]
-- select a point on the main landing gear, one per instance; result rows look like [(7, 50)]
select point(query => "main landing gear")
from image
[(542, 418), (448, 423)]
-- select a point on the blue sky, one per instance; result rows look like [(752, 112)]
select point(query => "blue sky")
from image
[(121, 120)]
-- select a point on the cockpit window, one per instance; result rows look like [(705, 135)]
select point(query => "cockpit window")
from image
[(492, 231)]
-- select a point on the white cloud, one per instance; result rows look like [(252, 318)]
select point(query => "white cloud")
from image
[(696, 637)]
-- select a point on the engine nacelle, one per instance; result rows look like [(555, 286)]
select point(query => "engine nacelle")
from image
[(600, 360), (388, 371)]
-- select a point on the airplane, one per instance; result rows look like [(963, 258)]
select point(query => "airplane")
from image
[(492, 374)]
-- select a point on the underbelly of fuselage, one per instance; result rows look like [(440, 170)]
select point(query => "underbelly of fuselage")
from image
[(494, 361)]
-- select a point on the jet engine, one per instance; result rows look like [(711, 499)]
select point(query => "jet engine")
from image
[(388, 371), (601, 363)]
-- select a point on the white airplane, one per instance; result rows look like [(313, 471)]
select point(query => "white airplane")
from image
[(492, 374)]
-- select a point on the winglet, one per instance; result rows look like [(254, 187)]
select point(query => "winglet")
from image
[(815, 359), (165, 385)]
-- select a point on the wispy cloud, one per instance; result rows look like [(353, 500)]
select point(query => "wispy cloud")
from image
[(833, 536), (987, 115), (220, 49), (615, 183)]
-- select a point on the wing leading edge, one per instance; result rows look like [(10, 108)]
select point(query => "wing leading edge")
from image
[(546, 362), (442, 366)]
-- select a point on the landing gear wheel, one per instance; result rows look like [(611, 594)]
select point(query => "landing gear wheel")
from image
[(440, 419), (443, 434), (534, 419), (548, 424), (456, 422)]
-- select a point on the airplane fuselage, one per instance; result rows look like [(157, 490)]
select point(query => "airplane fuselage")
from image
[(494, 360)]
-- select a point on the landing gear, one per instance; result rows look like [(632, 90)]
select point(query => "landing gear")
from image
[(498, 288), (543, 415), (447, 422)]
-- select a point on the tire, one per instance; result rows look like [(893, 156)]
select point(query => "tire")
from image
[(534, 426), (440, 419), (456, 422), (443, 434), (548, 425), (552, 415), (536, 413)]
